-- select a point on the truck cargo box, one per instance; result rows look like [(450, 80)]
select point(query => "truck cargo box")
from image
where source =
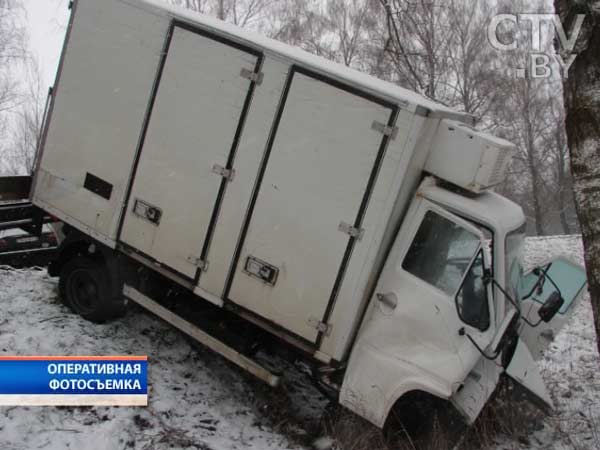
[(252, 173)]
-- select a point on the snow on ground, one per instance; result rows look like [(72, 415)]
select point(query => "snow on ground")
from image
[(199, 401), (571, 366)]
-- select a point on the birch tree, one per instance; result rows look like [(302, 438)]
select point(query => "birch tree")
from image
[(582, 102)]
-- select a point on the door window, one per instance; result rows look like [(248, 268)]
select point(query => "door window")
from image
[(441, 252), (472, 299)]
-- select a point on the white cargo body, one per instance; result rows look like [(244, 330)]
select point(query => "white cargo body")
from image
[(348, 216), (248, 152)]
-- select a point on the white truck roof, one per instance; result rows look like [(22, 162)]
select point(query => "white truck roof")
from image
[(405, 97)]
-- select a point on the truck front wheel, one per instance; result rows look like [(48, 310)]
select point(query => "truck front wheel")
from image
[(426, 421), (86, 288)]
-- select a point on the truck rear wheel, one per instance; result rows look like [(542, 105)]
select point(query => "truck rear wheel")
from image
[(86, 288)]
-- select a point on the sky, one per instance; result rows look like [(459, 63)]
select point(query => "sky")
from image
[(47, 23)]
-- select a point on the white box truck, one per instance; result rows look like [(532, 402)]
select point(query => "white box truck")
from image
[(350, 218)]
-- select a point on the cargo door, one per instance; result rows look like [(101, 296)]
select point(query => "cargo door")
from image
[(320, 166), (186, 157)]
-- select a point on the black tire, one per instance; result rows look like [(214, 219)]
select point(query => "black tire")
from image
[(85, 286)]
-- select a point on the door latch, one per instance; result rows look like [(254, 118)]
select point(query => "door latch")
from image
[(262, 270), (198, 262), (356, 233), (147, 212), (252, 76), (321, 327), (228, 174), (386, 130)]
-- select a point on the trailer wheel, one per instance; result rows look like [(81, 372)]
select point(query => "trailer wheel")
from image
[(85, 287)]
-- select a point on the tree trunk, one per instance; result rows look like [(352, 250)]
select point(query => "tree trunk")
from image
[(561, 178), (533, 163), (221, 10), (582, 102)]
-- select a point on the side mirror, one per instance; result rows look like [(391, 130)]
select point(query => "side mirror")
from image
[(551, 307)]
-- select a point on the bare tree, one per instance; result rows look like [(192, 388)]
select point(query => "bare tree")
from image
[(471, 86), (201, 6), (301, 23), (561, 188), (244, 13), (525, 117), (348, 21), (583, 130), (12, 50), (419, 34), (29, 116), (12, 53)]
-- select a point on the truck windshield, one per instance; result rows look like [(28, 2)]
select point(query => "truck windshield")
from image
[(514, 260)]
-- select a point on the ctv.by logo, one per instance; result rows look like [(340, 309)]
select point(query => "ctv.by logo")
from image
[(539, 63)]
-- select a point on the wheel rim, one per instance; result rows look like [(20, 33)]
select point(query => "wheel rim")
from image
[(83, 291)]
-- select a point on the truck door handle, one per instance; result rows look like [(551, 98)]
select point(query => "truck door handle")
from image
[(390, 299)]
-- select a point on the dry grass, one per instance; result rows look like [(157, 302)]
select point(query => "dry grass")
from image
[(350, 432)]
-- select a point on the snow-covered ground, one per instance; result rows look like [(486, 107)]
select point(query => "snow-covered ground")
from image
[(571, 367), (199, 401)]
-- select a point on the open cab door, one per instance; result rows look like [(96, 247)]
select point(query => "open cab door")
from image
[(525, 372), (548, 296), (544, 314)]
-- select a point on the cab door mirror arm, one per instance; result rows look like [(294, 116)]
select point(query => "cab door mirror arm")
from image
[(463, 332)]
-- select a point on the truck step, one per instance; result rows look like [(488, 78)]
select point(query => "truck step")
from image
[(201, 336)]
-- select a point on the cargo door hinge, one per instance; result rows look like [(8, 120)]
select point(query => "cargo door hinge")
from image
[(198, 262), (228, 174), (386, 130), (321, 327), (356, 233), (255, 77)]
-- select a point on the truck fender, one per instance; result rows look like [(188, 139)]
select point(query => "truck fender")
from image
[(411, 386), (77, 243), (374, 382)]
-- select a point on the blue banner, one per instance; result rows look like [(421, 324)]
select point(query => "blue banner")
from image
[(73, 375)]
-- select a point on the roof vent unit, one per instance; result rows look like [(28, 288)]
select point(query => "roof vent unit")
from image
[(470, 159)]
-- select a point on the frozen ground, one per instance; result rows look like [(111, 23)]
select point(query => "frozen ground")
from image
[(198, 401), (571, 367)]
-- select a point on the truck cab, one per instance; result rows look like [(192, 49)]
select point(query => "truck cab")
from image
[(450, 314)]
